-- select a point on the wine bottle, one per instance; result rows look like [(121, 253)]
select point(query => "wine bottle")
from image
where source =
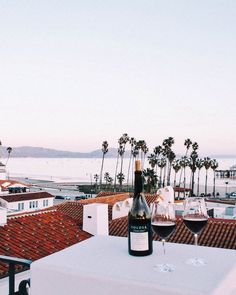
[(139, 219)]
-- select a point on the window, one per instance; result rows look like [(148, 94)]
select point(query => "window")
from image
[(20, 206), (45, 203)]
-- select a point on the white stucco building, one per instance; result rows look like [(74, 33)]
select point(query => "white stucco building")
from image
[(26, 201)]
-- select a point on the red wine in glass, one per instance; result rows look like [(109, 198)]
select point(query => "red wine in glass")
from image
[(163, 229), (195, 225), (195, 219), (163, 224)]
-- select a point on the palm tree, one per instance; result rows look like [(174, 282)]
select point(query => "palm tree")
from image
[(120, 152), (161, 164), (132, 142), (184, 162), (169, 154), (207, 165), (104, 151), (152, 159), (121, 178), (214, 166), (144, 149), (157, 152), (109, 182), (176, 166), (141, 147), (135, 153), (193, 168), (199, 165), (122, 141), (96, 177), (150, 179), (106, 178), (195, 146), (9, 150), (188, 144)]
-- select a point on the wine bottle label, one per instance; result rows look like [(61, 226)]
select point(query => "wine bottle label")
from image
[(138, 238)]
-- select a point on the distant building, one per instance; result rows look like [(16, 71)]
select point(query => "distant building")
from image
[(3, 174), (26, 202), (11, 186)]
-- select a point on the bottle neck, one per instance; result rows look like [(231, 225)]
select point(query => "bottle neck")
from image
[(138, 183)]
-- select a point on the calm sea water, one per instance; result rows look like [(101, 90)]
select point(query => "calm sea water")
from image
[(83, 169)]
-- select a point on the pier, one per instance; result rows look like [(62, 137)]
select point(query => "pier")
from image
[(229, 173)]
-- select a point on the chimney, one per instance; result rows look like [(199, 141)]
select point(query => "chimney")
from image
[(3, 216), (95, 219)]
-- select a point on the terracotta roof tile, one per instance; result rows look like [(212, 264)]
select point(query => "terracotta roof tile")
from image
[(218, 233), (35, 236), (74, 209), (26, 196)]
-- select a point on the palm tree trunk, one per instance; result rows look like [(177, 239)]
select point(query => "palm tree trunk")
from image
[(174, 184), (184, 182), (101, 171), (121, 165), (198, 180), (206, 183), (160, 177), (193, 182), (117, 160), (129, 170), (132, 172), (168, 175), (164, 176), (214, 184)]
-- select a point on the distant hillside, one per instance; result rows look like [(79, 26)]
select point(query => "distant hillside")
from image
[(40, 152)]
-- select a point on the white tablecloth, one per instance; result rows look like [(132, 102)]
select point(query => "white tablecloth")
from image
[(102, 266)]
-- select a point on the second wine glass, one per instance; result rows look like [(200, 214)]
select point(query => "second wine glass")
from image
[(163, 224), (195, 218)]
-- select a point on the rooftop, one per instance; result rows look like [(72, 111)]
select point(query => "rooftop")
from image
[(37, 235), (26, 196), (41, 233)]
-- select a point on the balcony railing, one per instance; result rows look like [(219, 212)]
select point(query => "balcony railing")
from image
[(12, 262)]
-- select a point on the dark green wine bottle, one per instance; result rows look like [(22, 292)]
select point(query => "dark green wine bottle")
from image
[(139, 219)]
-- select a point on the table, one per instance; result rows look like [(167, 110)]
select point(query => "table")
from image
[(101, 265)]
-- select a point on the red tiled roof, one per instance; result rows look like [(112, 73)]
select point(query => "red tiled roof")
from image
[(107, 199), (8, 182), (26, 196), (39, 234), (104, 194), (74, 209), (35, 236), (219, 233)]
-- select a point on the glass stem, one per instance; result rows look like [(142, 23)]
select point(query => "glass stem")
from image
[(196, 243), (163, 244)]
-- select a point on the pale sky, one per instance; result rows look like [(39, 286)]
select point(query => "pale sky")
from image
[(74, 73)]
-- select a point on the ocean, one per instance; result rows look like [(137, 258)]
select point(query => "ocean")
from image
[(84, 169)]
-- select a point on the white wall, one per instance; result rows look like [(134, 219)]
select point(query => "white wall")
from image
[(95, 219), (121, 209), (3, 216), (14, 205)]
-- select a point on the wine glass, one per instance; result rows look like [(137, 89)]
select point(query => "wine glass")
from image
[(195, 218), (163, 224)]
